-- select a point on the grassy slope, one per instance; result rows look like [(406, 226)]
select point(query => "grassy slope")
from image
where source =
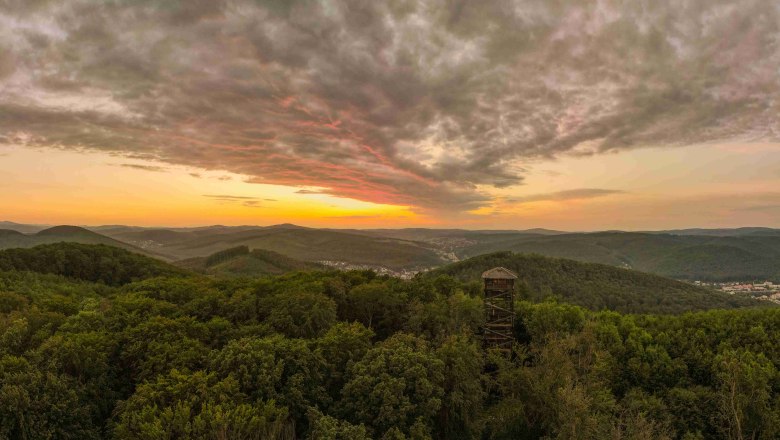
[(596, 286)]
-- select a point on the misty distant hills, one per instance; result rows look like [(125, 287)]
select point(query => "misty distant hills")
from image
[(72, 234), (736, 232), (296, 242), (25, 229), (688, 254)]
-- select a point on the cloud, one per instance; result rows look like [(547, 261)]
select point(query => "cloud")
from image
[(249, 202), (307, 191), (427, 104), (252, 204), (228, 198), (136, 166), (572, 194), (761, 208)]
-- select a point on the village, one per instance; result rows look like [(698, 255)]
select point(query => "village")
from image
[(765, 291)]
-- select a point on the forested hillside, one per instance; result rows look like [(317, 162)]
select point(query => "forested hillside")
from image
[(96, 263), (240, 261), (305, 244), (595, 286), (753, 256), (58, 234), (160, 354)]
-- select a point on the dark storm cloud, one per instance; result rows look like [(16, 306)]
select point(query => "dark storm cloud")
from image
[(420, 103), (572, 194)]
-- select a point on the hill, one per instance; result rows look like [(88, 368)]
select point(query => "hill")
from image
[(690, 257), (240, 261), (25, 229), (94, 263), (595, 286), (305, 244), (71, 234)]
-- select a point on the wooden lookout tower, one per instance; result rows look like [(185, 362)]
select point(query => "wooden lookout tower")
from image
[(499, 309)]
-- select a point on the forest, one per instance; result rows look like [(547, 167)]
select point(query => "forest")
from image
[(100, 343)]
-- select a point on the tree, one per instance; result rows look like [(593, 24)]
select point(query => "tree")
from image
[(745, 380), (183, 406), (275, 368), (395, 384), (301, 314), (341, 347), (323, 427), (463, 397), (39, 405), (377, 307)]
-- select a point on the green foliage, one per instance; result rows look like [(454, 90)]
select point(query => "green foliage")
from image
[(691, 257), (240, 262), (595, 286), (299, 243), (197, 406), (324, 427), (354, 355), (394, 384), (96, 263), (39, 404), (300, 315), (227, 254), (275, 368)]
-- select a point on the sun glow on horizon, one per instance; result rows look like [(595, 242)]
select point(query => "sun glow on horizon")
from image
[(633, 190), (51, 186)]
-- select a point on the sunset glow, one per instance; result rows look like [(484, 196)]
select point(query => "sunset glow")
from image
[(376, 114)]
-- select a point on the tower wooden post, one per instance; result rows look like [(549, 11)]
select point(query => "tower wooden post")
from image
[(499, 309)]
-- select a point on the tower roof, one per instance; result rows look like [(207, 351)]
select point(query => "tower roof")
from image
[(499, 273)]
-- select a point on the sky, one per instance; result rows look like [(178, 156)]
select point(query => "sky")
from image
[(574, 115)]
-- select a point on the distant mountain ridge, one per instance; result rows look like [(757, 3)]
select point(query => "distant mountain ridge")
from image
[(64, 233), (739, 254)]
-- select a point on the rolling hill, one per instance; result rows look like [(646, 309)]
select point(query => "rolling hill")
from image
[(741, 254), (689, 257), (19, 227), (240, 261), (97, 263), (595, 286), (305, 244), (70, 234)]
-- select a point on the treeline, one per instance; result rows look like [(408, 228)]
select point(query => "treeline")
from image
[(353, 355)]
